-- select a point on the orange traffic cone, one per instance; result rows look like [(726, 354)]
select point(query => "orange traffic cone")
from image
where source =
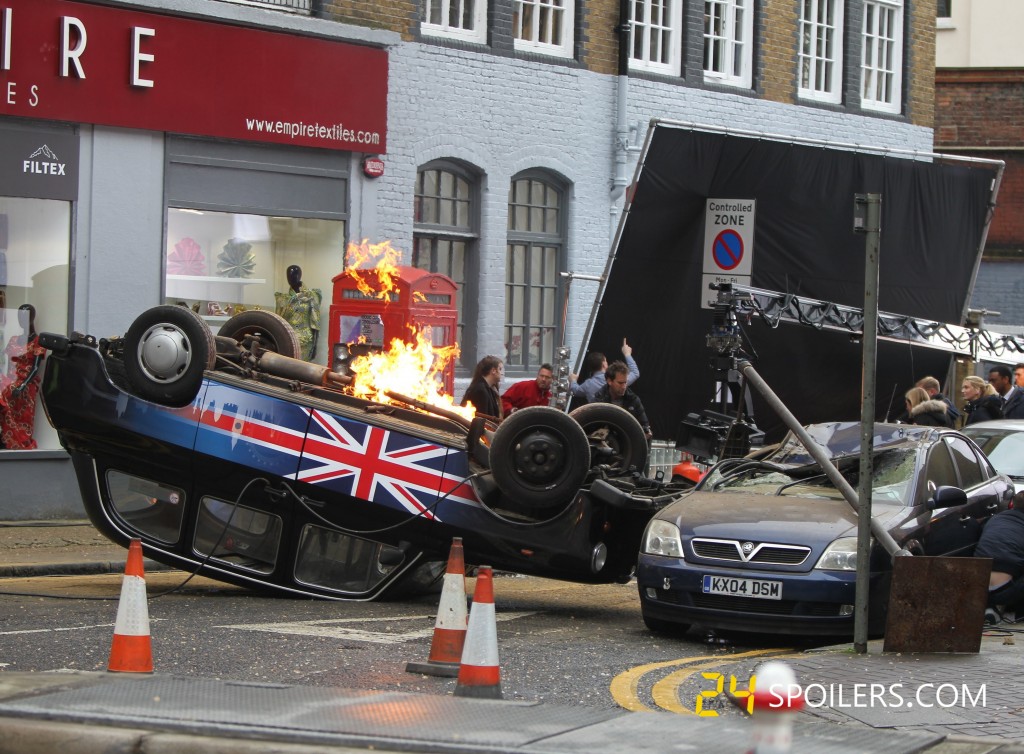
[(450, 626), (130, 651), (479, 674)]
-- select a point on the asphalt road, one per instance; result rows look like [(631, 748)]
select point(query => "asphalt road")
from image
[(563, 643)]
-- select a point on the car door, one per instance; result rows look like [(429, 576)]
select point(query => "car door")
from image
[(985, 491), (950, 531)]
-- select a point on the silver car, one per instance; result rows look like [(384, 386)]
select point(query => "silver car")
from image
[(1003, 443)]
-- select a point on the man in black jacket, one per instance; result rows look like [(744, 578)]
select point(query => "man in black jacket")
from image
[(616, 391), (1001, 378), (933, 388)]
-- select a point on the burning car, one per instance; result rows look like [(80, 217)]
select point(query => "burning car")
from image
[(228, 456)]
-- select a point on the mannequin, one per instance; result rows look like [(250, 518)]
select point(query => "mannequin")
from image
[(20, 386), (301, 307)]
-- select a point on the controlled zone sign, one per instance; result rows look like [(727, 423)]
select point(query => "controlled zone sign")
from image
[(728, 244)]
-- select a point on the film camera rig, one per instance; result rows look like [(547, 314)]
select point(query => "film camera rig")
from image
[(719, 433)]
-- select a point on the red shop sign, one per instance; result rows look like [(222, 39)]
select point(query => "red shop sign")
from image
[(72, 61)]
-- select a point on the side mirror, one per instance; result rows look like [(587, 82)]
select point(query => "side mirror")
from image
[(946, 497)]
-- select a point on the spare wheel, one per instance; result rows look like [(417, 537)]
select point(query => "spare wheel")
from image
[(166, 350), (539, 457)]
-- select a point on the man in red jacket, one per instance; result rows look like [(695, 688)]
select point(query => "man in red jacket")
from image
[(535, 392)]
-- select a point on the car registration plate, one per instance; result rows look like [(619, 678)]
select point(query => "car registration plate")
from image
[(765, 590)]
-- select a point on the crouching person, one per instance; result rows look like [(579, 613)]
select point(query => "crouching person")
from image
[(1002, 539)]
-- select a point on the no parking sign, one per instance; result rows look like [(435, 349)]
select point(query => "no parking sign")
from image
[(728, 244)]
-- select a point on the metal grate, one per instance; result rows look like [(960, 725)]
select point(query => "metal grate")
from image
[(727, 549), (662, 457)]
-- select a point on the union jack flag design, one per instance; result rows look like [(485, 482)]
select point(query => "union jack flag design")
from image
[(258, 431), (379, 465)]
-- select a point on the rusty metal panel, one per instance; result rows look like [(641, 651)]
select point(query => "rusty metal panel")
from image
[(937, 604)]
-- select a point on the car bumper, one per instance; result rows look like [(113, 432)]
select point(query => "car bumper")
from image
[(819, 603)]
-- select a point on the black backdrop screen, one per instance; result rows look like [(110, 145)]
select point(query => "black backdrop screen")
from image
[(933, 216)]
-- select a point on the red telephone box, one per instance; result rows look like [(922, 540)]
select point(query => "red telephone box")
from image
[(418, 298)]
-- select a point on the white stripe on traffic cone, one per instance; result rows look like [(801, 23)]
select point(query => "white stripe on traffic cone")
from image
[(131, 650), (479, 673), (450, 625)]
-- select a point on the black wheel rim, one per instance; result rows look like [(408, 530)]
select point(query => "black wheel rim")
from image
[(540, 457)]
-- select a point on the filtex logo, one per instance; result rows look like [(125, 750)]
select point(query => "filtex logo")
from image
[(43, 162)]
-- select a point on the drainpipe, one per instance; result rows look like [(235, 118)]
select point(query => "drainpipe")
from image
[(620, 146)]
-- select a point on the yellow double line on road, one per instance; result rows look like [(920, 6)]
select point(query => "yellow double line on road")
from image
[(624, 687)]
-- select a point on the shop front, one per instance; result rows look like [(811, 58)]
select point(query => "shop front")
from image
[(148, 158)]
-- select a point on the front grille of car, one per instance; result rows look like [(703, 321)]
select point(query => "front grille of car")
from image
[(766, 607), (749, 604), (763, 552)]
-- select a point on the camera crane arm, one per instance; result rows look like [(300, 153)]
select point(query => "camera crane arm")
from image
[(774, 308)]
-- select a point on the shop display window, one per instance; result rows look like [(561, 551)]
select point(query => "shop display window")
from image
[(221, 263), (35, 253)]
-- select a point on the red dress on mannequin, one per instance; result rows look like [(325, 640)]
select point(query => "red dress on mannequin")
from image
[(18, 409)]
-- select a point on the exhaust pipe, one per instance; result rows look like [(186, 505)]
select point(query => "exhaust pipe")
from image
[(295, 369)]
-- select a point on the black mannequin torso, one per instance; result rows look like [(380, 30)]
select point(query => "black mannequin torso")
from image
[(294, 274)]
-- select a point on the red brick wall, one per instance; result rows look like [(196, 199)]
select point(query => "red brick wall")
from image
[(980, 113)]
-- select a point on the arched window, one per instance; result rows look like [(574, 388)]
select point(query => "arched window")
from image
[(535, 256), (445, 235)]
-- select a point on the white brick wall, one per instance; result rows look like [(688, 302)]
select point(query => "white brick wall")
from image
[(503, 116)]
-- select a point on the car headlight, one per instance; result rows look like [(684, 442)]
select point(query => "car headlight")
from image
[(841, 555), (662, 538)]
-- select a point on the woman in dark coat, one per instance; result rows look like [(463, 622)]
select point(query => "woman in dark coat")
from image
[(926, 411), (483, 387), (982, 399)]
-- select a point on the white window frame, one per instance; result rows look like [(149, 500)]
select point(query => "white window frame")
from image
[(546, 17), (446, 237), (478, 32), (536, 232), (649, 15), (732, 64), (882, 57), (821, 44)]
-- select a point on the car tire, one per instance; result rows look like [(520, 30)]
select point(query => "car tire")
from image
[(659, 626), (166, 350), (624, 437), (275, 334), (539, 457)]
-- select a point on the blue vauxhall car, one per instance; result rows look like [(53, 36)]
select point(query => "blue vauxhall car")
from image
[(769, 545)]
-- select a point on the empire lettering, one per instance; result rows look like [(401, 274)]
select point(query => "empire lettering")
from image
[(74, 38)]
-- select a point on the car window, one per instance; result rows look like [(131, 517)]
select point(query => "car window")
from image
[(1004, 449), (892, 474), (967, 462), (940, 471)]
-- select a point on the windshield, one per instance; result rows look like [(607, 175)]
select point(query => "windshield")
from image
[(892, 477), (1004, 448), (842, 439)]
